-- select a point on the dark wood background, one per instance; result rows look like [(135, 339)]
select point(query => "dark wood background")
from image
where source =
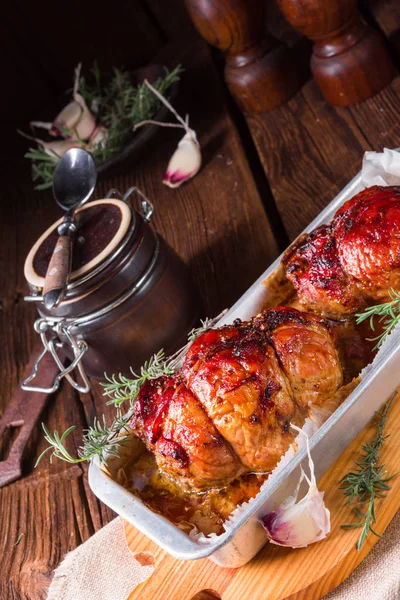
[(263, 179)]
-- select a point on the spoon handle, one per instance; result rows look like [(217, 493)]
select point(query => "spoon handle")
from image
[(58, 271)]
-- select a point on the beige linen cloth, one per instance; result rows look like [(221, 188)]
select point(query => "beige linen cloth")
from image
[(378, 576), (89, 573)]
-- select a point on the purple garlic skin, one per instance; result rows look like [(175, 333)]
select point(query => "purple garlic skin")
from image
[(185, 162), (297, 524)]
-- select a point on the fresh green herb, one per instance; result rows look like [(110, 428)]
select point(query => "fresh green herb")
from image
[(120, 388), (205, 326), (369, 481), (388, 315), (98, 440), (117, 105), (43, 166), (17, 543), (102, 440)]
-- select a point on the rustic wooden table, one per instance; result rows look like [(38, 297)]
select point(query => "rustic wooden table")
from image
[(263, 179)]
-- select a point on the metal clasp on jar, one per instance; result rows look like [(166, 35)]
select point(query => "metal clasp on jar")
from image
[(145, 204), (60, 335)]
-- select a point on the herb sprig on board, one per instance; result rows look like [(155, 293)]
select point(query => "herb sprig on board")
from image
[(118, 105), (101, 439), (387, 314), (369, 481)]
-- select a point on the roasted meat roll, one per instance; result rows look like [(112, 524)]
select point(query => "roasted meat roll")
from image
[(229, 409), (339, 268)]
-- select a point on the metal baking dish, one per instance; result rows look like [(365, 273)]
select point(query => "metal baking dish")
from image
[(245, 536)]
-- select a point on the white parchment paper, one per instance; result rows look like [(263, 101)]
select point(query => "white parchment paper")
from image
[(381, 168)]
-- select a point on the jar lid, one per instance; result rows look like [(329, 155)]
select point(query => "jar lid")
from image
[(102, 225)]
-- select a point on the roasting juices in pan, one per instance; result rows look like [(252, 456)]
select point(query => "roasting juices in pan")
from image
[(207, 437)]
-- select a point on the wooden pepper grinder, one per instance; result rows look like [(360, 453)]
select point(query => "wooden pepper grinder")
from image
[(350, 60), (259, 71)]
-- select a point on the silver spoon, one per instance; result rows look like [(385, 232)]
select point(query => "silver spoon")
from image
[(73, 183)]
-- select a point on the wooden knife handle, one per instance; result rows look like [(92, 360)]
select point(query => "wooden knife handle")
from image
[(58, 272)]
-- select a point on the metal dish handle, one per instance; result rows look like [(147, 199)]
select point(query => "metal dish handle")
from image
[(146, 206), (59, 331)]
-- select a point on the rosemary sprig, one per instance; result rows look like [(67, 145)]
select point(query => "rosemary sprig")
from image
[(43, 166), (369, 481), (205, 326), (388, 315), (98, 440), (102, 440), (117, 105), (120, 388)]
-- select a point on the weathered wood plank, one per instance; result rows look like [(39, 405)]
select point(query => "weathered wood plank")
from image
[(309, 151), (378, 117), (53, 520)]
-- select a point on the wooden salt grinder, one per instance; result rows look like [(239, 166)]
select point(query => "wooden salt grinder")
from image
[(259, 71), (350, 60)]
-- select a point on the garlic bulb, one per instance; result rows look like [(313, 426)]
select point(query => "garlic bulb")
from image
[(86, 125), (75, 121), (185, 162), (98, 137), (75, 118), (297, 524), (59, 147), (67, 119)]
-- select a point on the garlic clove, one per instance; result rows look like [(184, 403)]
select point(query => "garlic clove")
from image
[(98, 137), (185, 162), (67, 120), (86, 125), (59, 147), (298, 524), (75, 121)]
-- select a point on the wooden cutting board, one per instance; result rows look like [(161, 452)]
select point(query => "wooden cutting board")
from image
[(280, 573)]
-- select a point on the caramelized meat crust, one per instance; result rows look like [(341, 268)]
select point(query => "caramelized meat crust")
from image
[(307, 353), (339, 268), (173, 424), (367, 230), (228, 411), (245, 393), (313, 266)]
